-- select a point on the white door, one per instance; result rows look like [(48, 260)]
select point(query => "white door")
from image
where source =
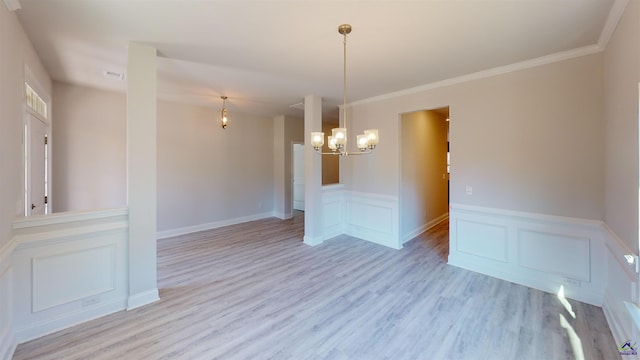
[(36, 166), (298, 177)]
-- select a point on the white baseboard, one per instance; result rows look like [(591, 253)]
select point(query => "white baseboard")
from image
[(283, 216), (69, 319), (412, 234), (145, 298), (8, 344), (531, 250), (212, 225), (311, 241)]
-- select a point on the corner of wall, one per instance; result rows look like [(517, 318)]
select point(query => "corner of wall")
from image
[(8, 341), (621, 288)]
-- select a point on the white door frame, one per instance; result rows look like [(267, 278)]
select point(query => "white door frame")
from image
[(293, 169), (29, 115)]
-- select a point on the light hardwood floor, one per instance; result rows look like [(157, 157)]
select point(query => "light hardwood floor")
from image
[(255, 291)]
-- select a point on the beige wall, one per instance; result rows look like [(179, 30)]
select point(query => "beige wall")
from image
[(90, 150), (16, 51), (529, 140), (423, 187), (205, 174), (621, 78)]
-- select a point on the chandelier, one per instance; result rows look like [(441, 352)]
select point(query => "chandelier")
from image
[(223, 120), (337, 142)]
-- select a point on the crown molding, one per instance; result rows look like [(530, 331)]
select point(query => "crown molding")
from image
[(544, 60), (615, 14), (13, 5)]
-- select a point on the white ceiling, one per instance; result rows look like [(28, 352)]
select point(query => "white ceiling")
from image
[(266, 55)]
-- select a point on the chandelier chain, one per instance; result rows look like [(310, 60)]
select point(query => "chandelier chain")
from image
[(344, 81), (338, 140)]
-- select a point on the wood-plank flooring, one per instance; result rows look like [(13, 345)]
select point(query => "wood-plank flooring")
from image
[(255, 291)]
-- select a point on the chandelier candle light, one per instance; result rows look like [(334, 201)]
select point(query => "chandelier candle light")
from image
[(223, 120), (337, 142)]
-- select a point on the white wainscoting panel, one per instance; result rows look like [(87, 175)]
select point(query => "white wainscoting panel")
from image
[(71, 267), (370, 217), (480, 239), (333, 212), (374, 218), (555, 253), (8, 341), (621, 288), (97, 276), (540, 251)]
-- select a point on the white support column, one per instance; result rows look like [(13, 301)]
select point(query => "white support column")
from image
[(312, 173), (141, 174)]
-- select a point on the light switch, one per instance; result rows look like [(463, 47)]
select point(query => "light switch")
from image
[(469, 190)]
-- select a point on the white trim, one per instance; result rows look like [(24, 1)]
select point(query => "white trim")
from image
[(312, 241), (527, 215), (25, 241), (614, 322), (373, 217), (615, 14), (212, 225), (621, 289), (66, 217), (6, 251), (634, 313), (54, 324), (332, 187), (141, 299), (8, 345), (282, 216), (618, 248), (8, 341), (372, 196), (12, 5), (411, 235), (501, 70), (63, 234)]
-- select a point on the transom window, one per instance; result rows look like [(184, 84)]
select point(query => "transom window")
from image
[(35, 102)]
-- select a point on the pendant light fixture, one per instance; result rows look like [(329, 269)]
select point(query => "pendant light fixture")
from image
[(223, 120), (337, 142)]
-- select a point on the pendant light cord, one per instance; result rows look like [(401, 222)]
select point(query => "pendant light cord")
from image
[(344, 83)]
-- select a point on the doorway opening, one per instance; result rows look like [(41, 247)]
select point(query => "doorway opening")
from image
[(425, 170)]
